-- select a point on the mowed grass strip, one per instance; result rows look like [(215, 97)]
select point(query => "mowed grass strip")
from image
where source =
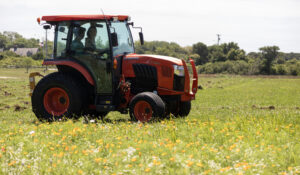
[(238, 125)]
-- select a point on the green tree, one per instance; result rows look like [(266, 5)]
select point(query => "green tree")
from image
[(202, 50), (226, 47), (236, 54), (269, 54), (216, 54), (3, 41)]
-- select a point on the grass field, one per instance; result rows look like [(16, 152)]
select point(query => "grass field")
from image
[(238, 125)]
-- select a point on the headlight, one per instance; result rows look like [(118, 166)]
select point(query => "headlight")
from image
[(178, 70)]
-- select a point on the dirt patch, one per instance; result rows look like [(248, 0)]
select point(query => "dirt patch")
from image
[(269, 107), (19, 108), (6, 107), (297, 108), (25, 102), (6, 93)]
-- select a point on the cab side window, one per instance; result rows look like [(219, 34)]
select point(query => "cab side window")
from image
[(90, 37), (62, 35)]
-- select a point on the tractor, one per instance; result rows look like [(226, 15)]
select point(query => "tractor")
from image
[(98, 71)]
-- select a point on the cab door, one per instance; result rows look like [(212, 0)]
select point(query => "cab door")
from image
[(90, 46)]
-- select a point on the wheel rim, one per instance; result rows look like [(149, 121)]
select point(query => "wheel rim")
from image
[(56, 101), (143, 111)]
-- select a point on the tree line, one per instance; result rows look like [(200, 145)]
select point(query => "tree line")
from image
[(227, 58)]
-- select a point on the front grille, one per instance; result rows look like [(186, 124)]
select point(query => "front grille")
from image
[(178, 84)]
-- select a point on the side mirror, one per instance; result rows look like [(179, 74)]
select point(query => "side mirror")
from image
[(141, 38), (114, 39)]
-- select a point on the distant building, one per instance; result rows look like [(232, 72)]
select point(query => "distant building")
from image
[(1, 49), (24, 51)]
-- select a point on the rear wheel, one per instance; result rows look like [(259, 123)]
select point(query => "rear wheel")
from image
[(57, 95), (146, 106)]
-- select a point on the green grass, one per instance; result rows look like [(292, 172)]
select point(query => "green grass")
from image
[(233, 128)]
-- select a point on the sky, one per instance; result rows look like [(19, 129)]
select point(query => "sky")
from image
[(250, 23)]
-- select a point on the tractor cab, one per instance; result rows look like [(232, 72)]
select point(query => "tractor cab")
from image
[(99, 72)]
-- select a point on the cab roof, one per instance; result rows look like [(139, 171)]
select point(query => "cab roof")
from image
[(83, 17)]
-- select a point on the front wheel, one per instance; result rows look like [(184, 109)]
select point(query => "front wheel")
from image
[(57, 95), (183, 110), (146, 106)]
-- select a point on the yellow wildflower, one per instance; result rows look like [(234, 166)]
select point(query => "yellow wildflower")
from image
[(190, 163), (199, 164), (12, 163)]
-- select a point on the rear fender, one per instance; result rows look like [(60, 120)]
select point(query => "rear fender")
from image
[(74, 65)]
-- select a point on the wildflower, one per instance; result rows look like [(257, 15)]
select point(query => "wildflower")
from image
[(12, 163), (172, 159), (79, 171), (63, 138), (73, 147), (190, 163), (32, 133), (227, 157), (247, 167), (207, 171), (61, 154), (199, 164), (133, 159), (147, 170), (225, 169)]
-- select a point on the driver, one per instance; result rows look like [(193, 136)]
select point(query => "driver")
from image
[(77, 44), (90, 40)]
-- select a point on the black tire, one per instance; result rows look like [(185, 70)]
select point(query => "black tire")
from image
[(183, 110), (62, 82), (152, 101)]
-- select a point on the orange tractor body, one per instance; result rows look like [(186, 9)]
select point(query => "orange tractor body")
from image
[(98, 72)]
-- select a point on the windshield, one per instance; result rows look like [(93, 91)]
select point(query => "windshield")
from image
[(125, 43)]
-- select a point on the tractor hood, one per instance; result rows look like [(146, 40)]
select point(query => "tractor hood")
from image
[(154, 59)]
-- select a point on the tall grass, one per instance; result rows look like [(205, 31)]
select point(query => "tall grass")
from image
[(237, 125)]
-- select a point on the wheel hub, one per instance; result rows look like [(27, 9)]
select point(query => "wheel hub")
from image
[(56, 101), (143, 111)]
